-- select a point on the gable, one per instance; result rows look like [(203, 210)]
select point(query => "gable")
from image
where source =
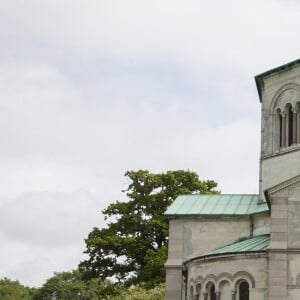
[(282, 188)]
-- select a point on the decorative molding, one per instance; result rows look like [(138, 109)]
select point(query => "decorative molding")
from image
[(288, 93), (243, 275), (198, 261), (286, 185), (298, 281), (233, 280), (210, 279), (224, 277), (199, 279), (291, 286)]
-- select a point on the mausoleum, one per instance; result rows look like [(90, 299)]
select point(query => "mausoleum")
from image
[(246, 247)]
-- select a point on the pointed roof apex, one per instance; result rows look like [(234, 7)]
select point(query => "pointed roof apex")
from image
[(287, 184), (259, 79)]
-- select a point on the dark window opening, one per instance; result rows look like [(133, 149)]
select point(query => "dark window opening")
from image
[(280, 128), (290, 136), (213, 295), (244, 291)]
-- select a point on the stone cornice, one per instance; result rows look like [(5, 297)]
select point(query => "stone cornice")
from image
[(286, 185), (228, 256)]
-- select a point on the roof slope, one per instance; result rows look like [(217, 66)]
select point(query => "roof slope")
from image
[(259, 79), (215, 205), (255, 244)]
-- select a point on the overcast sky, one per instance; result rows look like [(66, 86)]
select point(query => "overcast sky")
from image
[(91, 89)]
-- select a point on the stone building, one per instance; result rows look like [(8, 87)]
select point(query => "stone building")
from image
[(246, 247)]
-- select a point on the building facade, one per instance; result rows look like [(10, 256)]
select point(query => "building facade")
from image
[(246, 247)]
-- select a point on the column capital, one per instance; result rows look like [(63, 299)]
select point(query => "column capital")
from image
[(283, 114)]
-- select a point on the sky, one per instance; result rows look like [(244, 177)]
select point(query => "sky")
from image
[(91, 89)]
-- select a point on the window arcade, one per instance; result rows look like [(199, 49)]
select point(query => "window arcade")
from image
[(285, 108), (288, 126), (237, 287)]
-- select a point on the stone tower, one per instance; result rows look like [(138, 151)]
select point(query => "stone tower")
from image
[(279, 93)]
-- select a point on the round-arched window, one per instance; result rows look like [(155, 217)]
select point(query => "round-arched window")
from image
[(244, 291), (212, 292)]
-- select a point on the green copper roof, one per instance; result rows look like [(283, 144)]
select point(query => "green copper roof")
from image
[(259, 79), (279, 69), (255, 244), (215, 205)]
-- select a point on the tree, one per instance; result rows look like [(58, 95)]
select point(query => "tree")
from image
[(140, 293), (70, 285), (133, 247), (13, 290)]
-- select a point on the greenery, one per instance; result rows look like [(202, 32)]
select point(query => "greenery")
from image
[(70, 285), (140, 293), (131, 250), (13, 290), (133, 247)]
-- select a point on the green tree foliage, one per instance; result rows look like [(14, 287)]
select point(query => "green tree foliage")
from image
[(13, 290), (140, 293), (70, 285), (133, 247)]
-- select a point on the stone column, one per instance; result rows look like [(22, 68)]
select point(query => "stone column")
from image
[(283, 129), (295, 129), (205, 296), (233, 293)]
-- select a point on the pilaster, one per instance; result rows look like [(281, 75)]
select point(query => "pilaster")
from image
[(278, 258)]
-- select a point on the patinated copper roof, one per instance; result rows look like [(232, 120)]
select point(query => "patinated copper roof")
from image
[(216, 205)]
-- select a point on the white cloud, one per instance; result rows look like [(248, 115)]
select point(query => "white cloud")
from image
[(198, 34), (32, 264), (43, 232), (50, 219)]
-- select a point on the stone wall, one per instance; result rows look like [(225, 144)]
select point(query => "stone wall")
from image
[(189, 238), (277, 169), (226, 273), (284, 248)]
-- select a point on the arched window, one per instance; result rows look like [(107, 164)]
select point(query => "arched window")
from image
[(297, 121), (191, 293), (280, 128), (290, 126), (285, 109), (198, 292), (244, 290), (212, 293), (287, 123)]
